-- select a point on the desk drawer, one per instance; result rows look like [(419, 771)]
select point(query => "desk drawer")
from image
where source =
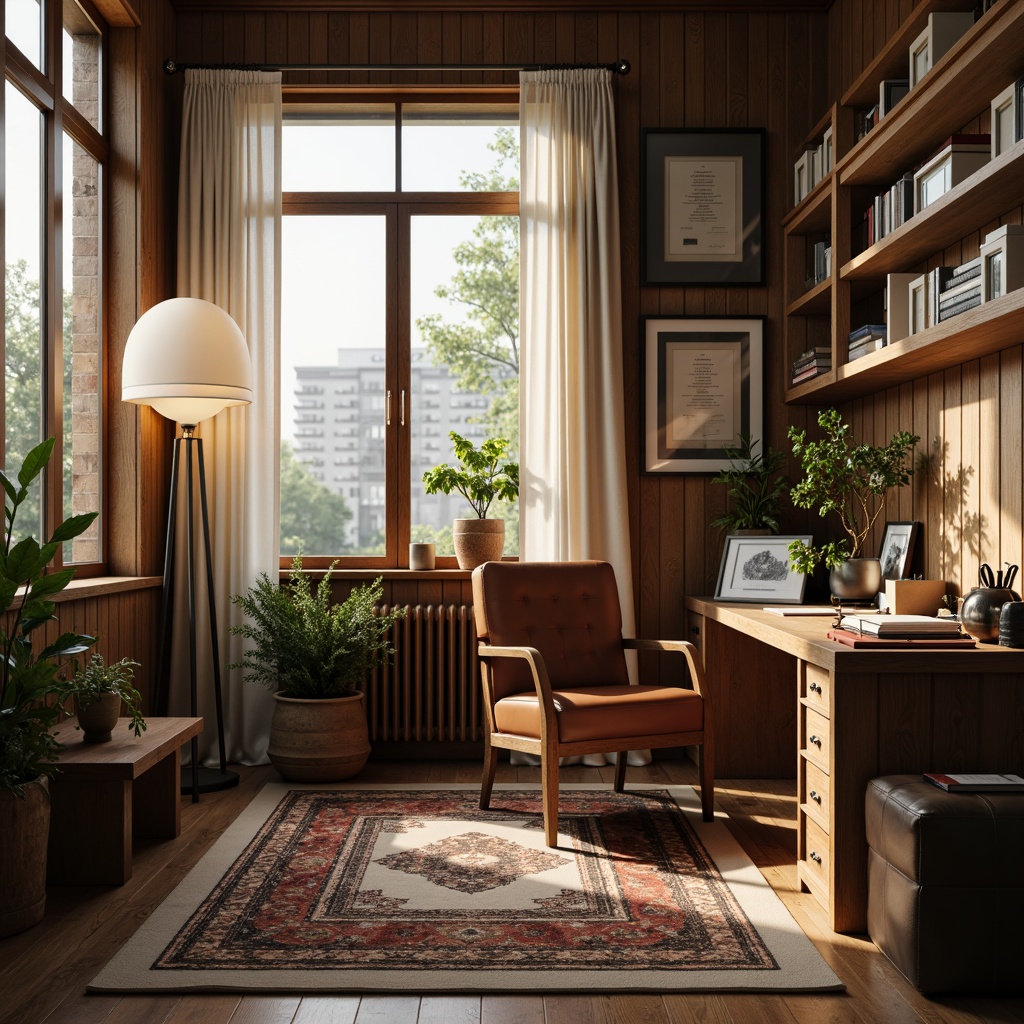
[(814, 792), (816, 688), (814, 736), (817, 854)]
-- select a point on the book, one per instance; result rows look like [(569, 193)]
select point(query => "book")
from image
[(799, 609), (965, 144), (901, 626), (862, 348), (960, 307), (965, 272), (811, 371), (976, 783), (868, 330), (952, 292), (862, 642)]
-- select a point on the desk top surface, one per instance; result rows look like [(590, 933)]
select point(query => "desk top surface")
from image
[(804, 637)]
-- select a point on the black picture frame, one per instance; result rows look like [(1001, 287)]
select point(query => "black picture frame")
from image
[(896, 552), (702, 206), (756, 570), (703, 388)]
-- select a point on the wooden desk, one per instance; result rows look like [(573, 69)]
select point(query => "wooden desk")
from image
[(842, 717), (106, 793)]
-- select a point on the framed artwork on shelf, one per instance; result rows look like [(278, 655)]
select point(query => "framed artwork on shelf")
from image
[(897, 549), (703, 389), (702, 199), (757, 569)]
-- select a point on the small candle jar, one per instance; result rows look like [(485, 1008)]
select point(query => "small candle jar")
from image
[(421, 556)]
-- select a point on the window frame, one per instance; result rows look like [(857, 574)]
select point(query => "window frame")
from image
[(398, 208), (44, 90)]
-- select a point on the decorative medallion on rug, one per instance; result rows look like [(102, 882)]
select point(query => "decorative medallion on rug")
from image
[(416, 888)]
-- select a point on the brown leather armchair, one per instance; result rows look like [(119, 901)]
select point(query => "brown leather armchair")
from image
[(555, 682)]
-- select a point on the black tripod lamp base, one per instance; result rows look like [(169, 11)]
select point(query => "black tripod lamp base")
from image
[(210, 779)]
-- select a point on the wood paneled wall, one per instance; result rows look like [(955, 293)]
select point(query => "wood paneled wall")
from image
[(970, 496), (688, 69)]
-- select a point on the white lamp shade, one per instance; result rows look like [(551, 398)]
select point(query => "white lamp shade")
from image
[(188, 360)]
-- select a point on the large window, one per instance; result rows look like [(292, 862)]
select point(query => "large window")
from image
[(53, 266), (400, 311)]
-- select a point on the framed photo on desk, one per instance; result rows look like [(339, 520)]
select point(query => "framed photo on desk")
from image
[(757, 569), (897, 549)]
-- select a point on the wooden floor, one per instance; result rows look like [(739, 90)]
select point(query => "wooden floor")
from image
[(43, 972)]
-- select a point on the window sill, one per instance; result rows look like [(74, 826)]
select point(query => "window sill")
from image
[(388, 574), (102, 586)]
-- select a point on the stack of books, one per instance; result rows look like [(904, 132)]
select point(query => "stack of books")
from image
[(902, 627), (961, 290), (868, 338), (976, 783), (812, 362)]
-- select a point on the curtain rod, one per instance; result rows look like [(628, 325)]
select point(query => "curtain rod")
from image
[(620, 67)]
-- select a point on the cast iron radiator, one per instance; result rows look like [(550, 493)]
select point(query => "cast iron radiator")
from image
[(430, 691)]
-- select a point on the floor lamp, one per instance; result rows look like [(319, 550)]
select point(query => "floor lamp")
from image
[(187, 359)]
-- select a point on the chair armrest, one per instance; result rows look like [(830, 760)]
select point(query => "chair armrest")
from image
[(538, 669), (684, 647)]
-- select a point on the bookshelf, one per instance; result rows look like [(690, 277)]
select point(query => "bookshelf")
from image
[(988, 57)]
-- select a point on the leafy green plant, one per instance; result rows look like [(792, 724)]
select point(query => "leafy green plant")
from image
[(306, 647), (98, 678), (754, 487), (850, 479), (483, 476), (33, 686)]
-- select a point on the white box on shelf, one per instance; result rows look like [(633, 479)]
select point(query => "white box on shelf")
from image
[(828, 158), (1004, 121), (1002, 262), (944, 29), (801, 176), (957, 160), (897, 305), (918, 306)]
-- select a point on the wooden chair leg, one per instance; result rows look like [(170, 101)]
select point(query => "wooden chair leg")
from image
[(549, 786), (490, 767), (620, 771), (706, 767)]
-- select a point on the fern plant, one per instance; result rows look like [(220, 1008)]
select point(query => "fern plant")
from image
[(304, 646), (754, 487)]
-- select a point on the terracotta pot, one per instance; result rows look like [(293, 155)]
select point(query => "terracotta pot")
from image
[(318, 740), (24, 832), (857, 579), (478, 541), (98, 717)]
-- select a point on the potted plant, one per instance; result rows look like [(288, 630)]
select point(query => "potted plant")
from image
[(99, 690), (853, 481), (481, 478), (33, 692), (754, 488), (315, 655)]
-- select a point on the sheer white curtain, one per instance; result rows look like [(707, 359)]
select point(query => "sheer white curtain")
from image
[(572, 501), (229, 248)]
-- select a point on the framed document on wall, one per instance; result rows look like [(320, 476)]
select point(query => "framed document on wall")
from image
[(702, 198), (703, 389)]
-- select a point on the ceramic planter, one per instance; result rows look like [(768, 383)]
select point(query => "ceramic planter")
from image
[(24, 831), (857, 579), (98, 716), (318, 740), (478, 541)]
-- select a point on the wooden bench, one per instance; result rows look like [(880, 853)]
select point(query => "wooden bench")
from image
[(106, 793)]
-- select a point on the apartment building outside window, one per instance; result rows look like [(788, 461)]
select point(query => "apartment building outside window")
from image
[(400, 301), (53, 262)]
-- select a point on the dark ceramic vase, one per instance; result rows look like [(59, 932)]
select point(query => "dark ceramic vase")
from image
[(979, 612), (1011, 624)]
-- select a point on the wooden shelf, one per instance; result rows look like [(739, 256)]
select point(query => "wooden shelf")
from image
[(987, 328), (979, 65), (814, 213), (976, 201), (815, 302)]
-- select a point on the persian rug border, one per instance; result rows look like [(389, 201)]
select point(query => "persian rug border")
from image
[(800, 966)]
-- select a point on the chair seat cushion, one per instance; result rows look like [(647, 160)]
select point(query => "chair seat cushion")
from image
[(605, 712)]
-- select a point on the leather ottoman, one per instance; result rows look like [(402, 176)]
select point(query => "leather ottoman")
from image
[(946, 884)]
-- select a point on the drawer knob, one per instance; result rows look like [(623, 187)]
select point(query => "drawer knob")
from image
[(816, 857), (815, 688), (815, 796), (816, 740)]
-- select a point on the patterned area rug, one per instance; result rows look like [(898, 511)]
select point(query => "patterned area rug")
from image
[(370, 888)]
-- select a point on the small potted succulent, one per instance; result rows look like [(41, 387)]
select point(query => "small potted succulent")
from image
[(754, 488), (484, 474), (99, 691), (852, 481)]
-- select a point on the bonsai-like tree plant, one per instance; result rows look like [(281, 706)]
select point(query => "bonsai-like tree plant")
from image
[(846, 478), (33, 684), (482, 476), (307, 647), (754, 487)]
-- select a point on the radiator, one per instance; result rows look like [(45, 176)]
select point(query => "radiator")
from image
[(430, 691)]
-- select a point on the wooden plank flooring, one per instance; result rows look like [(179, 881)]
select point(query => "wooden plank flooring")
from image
[(43, 972)]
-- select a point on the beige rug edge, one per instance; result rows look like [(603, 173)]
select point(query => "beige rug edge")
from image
[(802, 967)]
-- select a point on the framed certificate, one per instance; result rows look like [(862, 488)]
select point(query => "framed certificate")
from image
[(703, 390), (703, 202)]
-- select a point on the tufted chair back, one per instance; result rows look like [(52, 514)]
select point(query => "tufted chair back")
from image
[(569, 611)]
